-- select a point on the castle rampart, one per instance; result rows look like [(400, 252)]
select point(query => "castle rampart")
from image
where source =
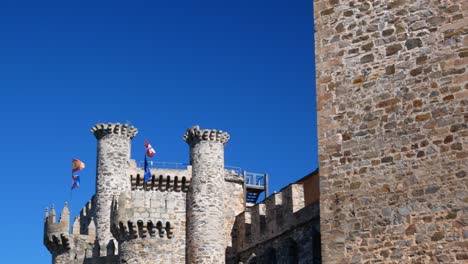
[(269, 228)]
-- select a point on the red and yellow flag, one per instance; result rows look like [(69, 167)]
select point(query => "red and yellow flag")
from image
[(77, 165)]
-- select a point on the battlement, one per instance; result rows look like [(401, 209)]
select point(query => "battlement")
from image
[(195, 134), (279, 213), (141, 214), (101, 130), (62, 226), (162, 180), (133, 229), (87, 214), (56, 237), (59, 240)]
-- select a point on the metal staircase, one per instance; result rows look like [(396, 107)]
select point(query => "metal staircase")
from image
[(254, 185)]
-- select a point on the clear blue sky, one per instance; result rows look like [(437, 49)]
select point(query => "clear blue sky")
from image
[(245, 67)]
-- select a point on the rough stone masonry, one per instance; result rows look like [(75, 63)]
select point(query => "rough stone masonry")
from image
[(392, 105), (205, 216)]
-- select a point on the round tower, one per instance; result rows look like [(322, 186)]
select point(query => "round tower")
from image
[(56, 235), (205, 216), (113, 156)]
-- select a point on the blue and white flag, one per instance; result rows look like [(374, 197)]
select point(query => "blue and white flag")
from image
[(76, 181), (147, 171)]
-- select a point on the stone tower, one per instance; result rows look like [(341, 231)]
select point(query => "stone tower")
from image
[(113, 160), (392, 127), (56, 235), (205, 216)]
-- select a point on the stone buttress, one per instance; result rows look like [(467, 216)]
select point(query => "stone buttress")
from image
[(205, 216), (113, 157)]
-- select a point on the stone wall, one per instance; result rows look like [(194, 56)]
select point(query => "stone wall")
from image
[(392, 114), (300, 245), (150, 226), (234, 204), (276, 225)]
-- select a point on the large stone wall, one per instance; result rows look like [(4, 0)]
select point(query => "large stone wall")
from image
[(392, 115)]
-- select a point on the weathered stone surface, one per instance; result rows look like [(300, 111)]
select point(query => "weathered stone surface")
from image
[(279, 230), (205, 216), (113, 157), (399, 193)]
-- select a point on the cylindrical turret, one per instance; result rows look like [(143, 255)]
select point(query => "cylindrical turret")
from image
[(205, 216), (56, 236), (113, 156)]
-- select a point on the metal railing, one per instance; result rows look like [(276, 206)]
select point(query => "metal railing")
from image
[(237, 170), (163, 165), (251, 178), (257, 179)]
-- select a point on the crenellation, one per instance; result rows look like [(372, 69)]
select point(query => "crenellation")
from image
[(162, 180), (132, 229), (103, 130), (280, 212), (194, 135), (259, 228), (52, 227), (76, 227), (63, 245)]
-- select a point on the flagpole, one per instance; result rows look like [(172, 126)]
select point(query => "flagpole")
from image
[(144, 180), (77, 165), (71, 196)]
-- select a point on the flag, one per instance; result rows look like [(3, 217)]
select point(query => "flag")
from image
[(76, 181), (149, 149), (77, 165), (147, 171)]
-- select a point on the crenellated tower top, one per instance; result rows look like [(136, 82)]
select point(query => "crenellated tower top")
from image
[(103, 129), (194, 135), (56, 237)]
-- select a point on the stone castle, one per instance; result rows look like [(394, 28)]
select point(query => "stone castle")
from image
[(198, 214), (392, 99)]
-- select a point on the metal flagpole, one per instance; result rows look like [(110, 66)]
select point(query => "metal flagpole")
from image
[(71, 196)]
